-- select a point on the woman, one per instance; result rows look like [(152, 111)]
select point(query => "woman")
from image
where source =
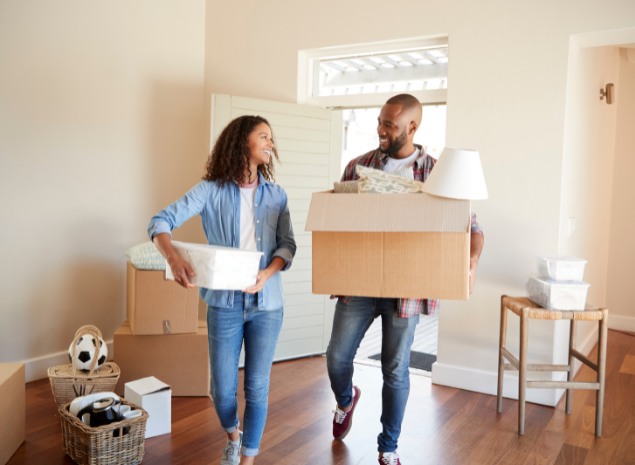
[(240, 206)]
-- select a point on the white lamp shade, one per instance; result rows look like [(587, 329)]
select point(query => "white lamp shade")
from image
[(458, 175)]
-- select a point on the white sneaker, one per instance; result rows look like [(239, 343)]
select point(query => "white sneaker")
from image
[(231, 452), (389, 458)]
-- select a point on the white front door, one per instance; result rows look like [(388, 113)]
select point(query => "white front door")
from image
[(309, 145)]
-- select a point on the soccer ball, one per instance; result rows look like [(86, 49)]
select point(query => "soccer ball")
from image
[(86, 350)]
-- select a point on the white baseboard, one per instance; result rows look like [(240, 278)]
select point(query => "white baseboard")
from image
[(622, 323), (486, 382), (37, 368)]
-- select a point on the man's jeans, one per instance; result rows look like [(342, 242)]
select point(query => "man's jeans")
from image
[(350, 323), (227, 329)]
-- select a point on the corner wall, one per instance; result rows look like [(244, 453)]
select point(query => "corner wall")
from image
[(101, 109)]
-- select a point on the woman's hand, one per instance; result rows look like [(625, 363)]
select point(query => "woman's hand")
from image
[(263, 275), (261, 279), (182, 270)]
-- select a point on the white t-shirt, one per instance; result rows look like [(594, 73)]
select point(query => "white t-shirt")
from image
[(247, 219), (402, 166)]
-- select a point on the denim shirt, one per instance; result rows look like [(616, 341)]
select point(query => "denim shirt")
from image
[(219, 207)]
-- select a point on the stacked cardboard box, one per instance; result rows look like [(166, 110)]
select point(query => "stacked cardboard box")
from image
[(162, 336), (180, 360)]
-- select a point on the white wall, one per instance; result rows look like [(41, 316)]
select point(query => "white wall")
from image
[(620, 289), (101, 124), (508, 78)]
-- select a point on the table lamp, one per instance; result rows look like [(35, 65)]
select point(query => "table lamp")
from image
[(458, 175)]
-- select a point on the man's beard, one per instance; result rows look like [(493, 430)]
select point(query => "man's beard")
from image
[(396, 145)]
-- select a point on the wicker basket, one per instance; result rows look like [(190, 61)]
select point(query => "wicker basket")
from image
[(119, 443), (68, 383)]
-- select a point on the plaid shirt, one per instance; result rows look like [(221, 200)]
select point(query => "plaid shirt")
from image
[(421, 169)]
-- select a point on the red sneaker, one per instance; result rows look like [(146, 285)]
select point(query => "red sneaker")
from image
[(342, 421), (389, 458)]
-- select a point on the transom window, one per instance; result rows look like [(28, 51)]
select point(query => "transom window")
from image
[(425, 68), (366, 75)]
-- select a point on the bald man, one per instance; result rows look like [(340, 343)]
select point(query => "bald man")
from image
[(397, 123)]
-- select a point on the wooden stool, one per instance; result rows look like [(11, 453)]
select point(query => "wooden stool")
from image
[(527, 309)]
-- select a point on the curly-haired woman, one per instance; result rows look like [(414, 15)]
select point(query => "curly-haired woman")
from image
[(240, 206)]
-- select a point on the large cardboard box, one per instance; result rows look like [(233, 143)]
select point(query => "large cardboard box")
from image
[(155, 397), (180, 360), (156, 305), (12, 409), (390, 245)]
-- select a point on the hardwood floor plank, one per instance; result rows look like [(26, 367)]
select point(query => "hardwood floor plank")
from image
[(442, 425)]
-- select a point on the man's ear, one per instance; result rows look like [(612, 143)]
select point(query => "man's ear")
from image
[(413, 127)]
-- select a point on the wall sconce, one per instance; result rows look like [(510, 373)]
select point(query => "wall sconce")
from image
[(607, 92)]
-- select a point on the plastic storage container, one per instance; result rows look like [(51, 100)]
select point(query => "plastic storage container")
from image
[(558, 295), (561, 268)]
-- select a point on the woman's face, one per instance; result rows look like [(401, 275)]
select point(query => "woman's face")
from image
[(260, 144)]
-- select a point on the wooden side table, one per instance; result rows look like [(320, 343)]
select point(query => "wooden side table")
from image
[(527, 309)]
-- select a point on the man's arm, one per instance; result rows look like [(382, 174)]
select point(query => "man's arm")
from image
[(476, 246)]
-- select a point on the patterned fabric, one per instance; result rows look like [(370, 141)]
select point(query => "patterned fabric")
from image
[(380, 182), (145, 256), (423, 166)]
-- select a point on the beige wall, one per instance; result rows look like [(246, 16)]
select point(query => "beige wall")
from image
[(104, 116), (620, 289), (101, 124)]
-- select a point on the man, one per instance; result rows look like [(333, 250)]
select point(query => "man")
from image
[(397, 123)]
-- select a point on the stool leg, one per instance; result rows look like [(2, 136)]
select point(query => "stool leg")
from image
[(522, 372), (569, 392), (599, 398), (501, 359)]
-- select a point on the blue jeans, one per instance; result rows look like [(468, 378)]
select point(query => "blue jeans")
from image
[(228, 328), (350, 323)]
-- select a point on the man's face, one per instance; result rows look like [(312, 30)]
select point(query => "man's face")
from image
[(392, 129)]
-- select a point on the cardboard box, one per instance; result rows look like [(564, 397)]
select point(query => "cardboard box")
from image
[(219, 267), (558, 295), (155, 397), (158, 306), (180, 360), (390, 245), (12, 409)]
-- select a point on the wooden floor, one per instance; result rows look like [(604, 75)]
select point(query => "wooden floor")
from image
[(443, 426)]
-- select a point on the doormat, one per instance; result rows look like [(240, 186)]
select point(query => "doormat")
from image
[(418, 360)]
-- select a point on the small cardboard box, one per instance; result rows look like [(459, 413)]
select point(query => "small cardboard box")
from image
[(390, 245), (158, 306), (219, 267), (12, 409), (180, 360), (155, 397)]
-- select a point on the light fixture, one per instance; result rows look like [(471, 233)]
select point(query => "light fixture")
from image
[(458, 175), (607, 92)]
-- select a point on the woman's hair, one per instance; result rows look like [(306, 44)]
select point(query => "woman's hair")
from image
[(229, 160)]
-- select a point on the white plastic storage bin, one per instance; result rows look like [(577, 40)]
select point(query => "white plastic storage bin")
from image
[(558, 295), (561, 268)]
